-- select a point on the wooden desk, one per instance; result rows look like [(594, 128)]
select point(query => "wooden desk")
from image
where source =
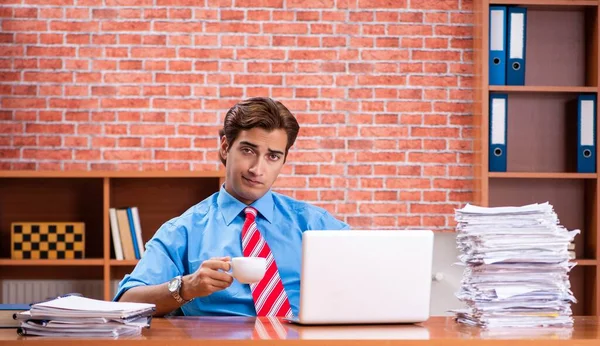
[(208, 331)]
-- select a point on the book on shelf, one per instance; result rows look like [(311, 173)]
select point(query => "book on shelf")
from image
[(126, 233)]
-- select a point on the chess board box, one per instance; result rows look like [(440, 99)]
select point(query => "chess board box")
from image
[(47, 240)]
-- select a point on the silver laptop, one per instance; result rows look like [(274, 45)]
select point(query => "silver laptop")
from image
[(365, 276)]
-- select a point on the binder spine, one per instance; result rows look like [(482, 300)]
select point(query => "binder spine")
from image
[(497, 135), (586, 134), (497, 49), (517, 43)]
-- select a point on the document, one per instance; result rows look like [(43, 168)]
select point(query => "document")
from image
[(516, 267), (85, 317)]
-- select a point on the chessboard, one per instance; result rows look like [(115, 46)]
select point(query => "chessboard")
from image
[(47, 240)]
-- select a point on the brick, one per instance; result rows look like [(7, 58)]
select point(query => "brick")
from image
[(127, 155), (49, 141), (10, 102), (436, 55), (154, 117), (148, 129), (47, 154), (26, 90), (104, 13), (176, 104), (23, 166), (154, 142), (48, 77), (74, 64), (270, 54), (377, 4), (9, 154), (74, 26), (418, 208), (125, 26), (431, 5), (438, 81), (128, 77), (291, 182), (176, 142), (76, 141), (51, 51), (24, 25), (408, 183), (454, 31), (49, 166), (189, 27), (382, 208), (127, 90), (130, 13), (125, 103)]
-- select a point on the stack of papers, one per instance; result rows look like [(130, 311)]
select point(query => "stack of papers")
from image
[(517, 267), (85, 317)]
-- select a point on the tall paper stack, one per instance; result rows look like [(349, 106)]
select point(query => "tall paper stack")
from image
[(85, 317), (517, 267)]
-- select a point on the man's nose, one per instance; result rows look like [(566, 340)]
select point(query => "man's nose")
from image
[(257, 167)]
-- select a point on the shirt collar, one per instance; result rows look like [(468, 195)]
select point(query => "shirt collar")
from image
[(231, 207)]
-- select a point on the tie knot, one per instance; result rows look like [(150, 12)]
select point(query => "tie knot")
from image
[(250, 212)]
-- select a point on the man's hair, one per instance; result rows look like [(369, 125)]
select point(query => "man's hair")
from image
[(262, 112)]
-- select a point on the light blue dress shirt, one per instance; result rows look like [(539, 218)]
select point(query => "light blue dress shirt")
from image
[(212, 228)]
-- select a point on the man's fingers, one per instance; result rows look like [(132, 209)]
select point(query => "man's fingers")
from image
[(221, 276), (216, 264), (219, 285)]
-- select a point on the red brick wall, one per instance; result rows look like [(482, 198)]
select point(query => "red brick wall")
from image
[(382, 89)]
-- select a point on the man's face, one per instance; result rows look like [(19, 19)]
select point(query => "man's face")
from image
[(253, 162)]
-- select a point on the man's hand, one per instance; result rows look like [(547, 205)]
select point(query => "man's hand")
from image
[(207, 279)]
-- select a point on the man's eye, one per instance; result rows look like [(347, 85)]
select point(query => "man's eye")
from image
[(274, 157), (247, 150)]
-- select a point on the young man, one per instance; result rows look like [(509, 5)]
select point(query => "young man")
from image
[(185, 262)]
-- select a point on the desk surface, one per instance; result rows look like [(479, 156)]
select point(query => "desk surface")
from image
[(183, 331)]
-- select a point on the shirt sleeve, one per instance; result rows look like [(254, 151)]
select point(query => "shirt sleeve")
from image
[(323, 220), (162, 259)]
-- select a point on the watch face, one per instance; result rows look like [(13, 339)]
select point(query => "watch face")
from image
[(173, 285)]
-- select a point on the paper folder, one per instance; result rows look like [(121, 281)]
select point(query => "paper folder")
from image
[(586, 134), (498, 120), (517, 33), (497, 39)]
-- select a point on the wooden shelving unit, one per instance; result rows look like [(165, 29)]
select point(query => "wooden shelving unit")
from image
[(87, 197), (541, 175), (541, 89), (562, 61), (65, 262)]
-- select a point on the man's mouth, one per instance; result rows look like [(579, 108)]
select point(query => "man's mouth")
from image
[(252, 181)]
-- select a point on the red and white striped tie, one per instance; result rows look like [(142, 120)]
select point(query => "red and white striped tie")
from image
[(269, 295)]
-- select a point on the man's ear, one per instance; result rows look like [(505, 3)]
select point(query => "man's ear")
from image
[(223, 148)]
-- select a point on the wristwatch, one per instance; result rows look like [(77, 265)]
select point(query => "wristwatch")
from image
[(174, 287)]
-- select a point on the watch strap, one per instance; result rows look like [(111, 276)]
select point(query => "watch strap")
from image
[(176, 293)]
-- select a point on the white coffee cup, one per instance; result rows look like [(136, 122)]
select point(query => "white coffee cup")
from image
[(248, 270)]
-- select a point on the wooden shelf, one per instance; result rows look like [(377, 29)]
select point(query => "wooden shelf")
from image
[(112, 174), (545, 2), (87, 196), (114, 262), (543, 89), (585, 262), (562, 62), (535, 175), (62, 262)]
